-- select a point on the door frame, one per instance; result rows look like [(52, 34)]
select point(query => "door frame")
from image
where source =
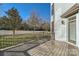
[(69, 20)]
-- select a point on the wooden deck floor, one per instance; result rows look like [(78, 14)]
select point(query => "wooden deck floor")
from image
[(54, 48)]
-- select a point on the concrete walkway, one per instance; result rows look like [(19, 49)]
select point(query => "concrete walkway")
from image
[(18, 51)]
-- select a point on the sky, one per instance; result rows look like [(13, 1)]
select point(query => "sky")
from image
[(25, 9)]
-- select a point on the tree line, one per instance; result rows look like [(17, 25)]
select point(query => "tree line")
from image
[(13, 21)]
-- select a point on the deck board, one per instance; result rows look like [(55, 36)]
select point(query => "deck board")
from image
[(54, 48)]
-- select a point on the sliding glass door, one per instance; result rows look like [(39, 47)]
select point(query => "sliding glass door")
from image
[(72, 30)]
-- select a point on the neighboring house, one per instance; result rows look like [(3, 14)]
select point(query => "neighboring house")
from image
[(66, 22)]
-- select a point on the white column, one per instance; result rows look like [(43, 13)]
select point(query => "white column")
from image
[(77, 29)]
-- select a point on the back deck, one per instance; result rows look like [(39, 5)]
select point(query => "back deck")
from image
[(54, 48)]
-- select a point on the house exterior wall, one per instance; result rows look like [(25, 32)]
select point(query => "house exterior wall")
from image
[(61, 30)]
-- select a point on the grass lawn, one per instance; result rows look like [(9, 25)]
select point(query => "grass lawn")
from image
[(9, 40)]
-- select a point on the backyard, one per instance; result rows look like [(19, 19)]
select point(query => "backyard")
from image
[(23, 26), (8, 39)]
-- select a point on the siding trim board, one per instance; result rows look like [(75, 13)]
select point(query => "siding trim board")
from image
[(71, 11)]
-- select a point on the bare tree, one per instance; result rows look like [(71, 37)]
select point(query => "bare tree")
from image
[(34, 20)]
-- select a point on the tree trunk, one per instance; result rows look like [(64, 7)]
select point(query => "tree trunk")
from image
[(14, 32), (34, 29)]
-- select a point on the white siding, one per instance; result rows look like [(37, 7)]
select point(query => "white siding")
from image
[(61, 29)]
